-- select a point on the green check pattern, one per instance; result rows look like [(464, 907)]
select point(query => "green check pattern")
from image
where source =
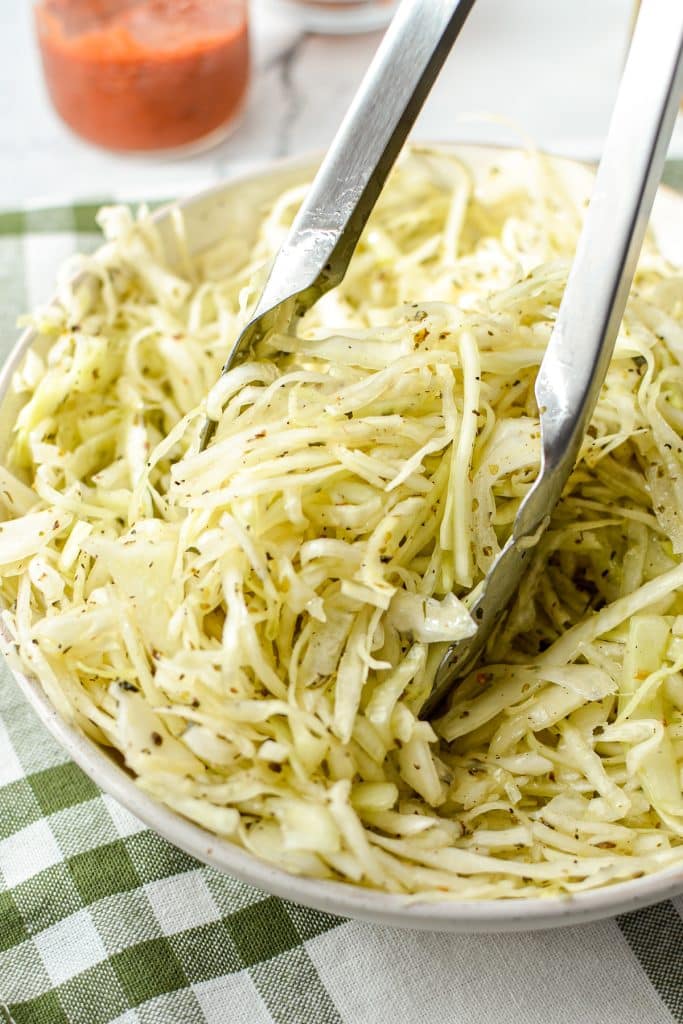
[(100, 920), (103, 922)]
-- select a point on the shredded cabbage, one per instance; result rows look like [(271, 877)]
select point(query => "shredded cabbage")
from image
[(255, 627)]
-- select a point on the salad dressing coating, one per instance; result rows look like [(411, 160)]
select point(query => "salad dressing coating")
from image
[(255, 627)]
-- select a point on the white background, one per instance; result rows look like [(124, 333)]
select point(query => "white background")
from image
[(551, 66)]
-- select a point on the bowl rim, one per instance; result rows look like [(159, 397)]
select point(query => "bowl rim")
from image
[(339, 898)]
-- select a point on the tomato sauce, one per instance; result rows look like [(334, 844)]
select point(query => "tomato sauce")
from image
[(145, 74)]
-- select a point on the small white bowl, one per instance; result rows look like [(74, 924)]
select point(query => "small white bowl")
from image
[(234, 209)]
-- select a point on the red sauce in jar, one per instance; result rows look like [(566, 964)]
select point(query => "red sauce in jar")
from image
[(145, 74)]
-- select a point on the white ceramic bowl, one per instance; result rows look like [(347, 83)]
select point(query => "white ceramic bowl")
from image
[(234, 209)]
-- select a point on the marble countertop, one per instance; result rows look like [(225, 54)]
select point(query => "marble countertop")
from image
[(550, 68)]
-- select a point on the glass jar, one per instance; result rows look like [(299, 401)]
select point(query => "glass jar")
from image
[(143, 75), (339, 17)]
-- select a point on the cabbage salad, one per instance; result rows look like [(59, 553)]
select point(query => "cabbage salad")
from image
[(255, 627)]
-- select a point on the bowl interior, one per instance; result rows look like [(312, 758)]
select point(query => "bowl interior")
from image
[(234, 210)]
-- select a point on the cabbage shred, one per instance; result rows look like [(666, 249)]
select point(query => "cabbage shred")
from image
[(255, 627)]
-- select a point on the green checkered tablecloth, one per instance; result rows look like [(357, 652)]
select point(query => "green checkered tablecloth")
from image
[(101, 921)]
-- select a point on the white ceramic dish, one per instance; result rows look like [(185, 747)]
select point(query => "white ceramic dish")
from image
[(234, 208)]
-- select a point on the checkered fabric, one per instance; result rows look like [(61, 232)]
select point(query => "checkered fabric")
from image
[(103, 922)]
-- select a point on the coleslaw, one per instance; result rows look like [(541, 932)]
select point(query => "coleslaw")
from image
[(255, 627)]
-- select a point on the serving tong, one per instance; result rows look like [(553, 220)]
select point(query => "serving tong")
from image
[(319, 246)]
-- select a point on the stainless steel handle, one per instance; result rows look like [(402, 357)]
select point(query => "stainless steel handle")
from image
[(580, 348), (316, 253), (578, 354)]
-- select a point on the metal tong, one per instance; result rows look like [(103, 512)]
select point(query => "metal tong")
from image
[(575, 362), (317, 251)]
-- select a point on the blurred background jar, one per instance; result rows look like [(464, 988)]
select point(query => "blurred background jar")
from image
[(146, 75), (339, 17)]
